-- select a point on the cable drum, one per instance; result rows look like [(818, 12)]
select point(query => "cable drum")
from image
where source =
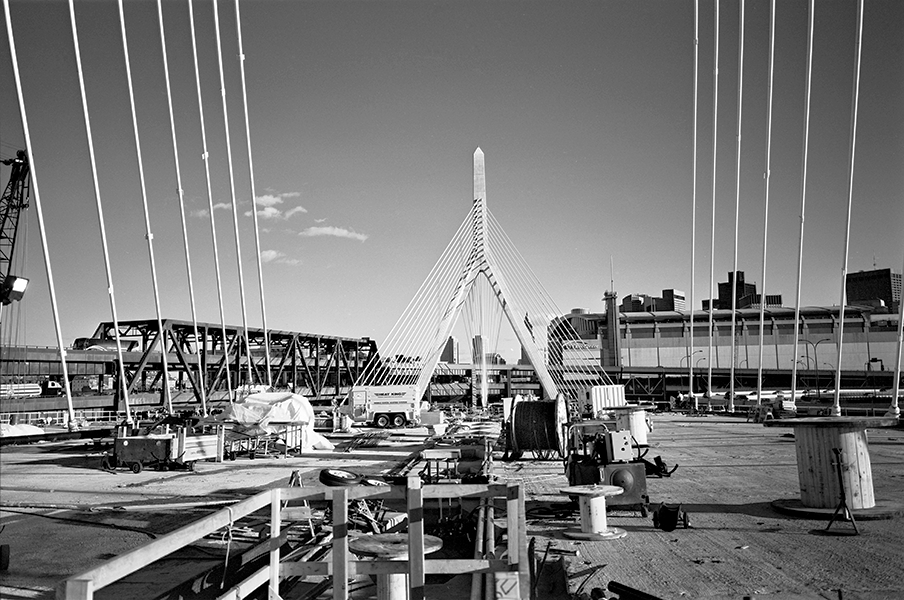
[(537, 426)]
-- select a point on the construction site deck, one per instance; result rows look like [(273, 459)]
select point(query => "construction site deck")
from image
[(62, 514)]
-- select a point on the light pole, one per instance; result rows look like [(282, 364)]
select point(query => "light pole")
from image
[(680, 362), (816, 360)]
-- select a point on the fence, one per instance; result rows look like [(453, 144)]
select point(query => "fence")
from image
[(339, 567)]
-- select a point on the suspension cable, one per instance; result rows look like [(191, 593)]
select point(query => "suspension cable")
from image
[(836, 407), (64, 368), (205, 155), (191, 285), (257, 237), (712, 239), (734, 270), (235, 213), (124, 386), (759, 377), (803, 196), (690, 352), (147, 219)]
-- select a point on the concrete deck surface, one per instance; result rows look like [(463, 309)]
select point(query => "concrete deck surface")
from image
[(62, 514)]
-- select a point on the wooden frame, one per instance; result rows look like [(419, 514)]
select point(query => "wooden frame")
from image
[(340, 567)]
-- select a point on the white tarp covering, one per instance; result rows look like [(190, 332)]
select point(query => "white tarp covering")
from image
[(20, 429), (272, 411)]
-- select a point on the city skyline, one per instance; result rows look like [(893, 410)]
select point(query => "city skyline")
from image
[(363, 119)]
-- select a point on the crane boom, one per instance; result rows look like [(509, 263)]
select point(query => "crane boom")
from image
[(13, 202)]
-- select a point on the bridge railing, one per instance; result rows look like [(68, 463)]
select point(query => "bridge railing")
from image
[(338, 566)]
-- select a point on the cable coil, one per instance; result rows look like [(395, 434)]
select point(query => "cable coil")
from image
[(537, 426)]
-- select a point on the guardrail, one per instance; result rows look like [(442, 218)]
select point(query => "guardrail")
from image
[(339, 567)]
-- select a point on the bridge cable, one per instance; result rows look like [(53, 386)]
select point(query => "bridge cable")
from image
[(712, 240), (691, 352), (147, 219), (235, 214), (202, 385), (205, 155), (100, 214), (759, 376), (257, 238), (734, 278), (803, 195), (64, 368), (836, 407)]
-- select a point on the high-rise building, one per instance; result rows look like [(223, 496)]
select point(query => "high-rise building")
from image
[(876, 288), (450, 352), (747, 296), (674, 299), (478, 348)]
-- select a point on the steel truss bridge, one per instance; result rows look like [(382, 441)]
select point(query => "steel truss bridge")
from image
[(320, 367)]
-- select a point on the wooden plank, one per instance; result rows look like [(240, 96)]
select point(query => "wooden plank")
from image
[(275, 525), (371, 567), (247, 585), (416, 580), (296, 513), (340, 543), (140, 557)]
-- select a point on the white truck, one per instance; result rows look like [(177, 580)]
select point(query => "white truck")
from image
[(384, 405)]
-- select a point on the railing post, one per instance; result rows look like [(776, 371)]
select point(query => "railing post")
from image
[(416, 575), (79, 589), (275, 509)]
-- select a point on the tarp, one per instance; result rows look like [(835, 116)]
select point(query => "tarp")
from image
[(270, 412), (20, 429)]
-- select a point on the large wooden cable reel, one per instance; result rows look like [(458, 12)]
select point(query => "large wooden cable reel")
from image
[(538, 426)]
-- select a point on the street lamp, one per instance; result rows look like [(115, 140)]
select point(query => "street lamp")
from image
[(699, 360), (13, 288), (816, 360), (687, 357)]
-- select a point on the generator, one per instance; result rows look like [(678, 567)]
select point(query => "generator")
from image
[(597, 455)]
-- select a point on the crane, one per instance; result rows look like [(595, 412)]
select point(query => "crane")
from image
[(13, 202)]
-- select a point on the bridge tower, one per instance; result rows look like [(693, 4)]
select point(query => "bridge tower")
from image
[(480, 263)]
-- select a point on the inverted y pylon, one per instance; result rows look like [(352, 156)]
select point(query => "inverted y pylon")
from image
[(480, 262)]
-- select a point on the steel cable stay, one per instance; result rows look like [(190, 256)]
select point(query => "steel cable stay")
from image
[(410, 337), (712, 239), (803, 193), (855, 103), (23, 115), (234, 203), (690, 351), (100, 214), (201, 386), (149, 236), (257, 238), (408, 321), (416, 341), (734, 270), (759, 377), (539, 303), (205, 155)]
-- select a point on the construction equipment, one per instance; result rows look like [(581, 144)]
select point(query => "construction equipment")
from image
[(13, 202)]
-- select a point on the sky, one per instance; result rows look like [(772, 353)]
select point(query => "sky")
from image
[(364, 116)]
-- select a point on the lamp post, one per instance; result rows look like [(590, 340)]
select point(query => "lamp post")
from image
[(816, 360), (680, 362)]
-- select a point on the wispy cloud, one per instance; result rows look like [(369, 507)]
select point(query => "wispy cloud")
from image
[(275, 256), (203, 212), (341, 232), (268, 206)]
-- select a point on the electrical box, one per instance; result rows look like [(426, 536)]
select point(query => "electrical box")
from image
[(618, 447)]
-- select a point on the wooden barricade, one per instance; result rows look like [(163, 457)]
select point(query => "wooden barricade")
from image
[(513, 571)]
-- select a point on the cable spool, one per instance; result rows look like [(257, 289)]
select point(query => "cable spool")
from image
[(537, 426)]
